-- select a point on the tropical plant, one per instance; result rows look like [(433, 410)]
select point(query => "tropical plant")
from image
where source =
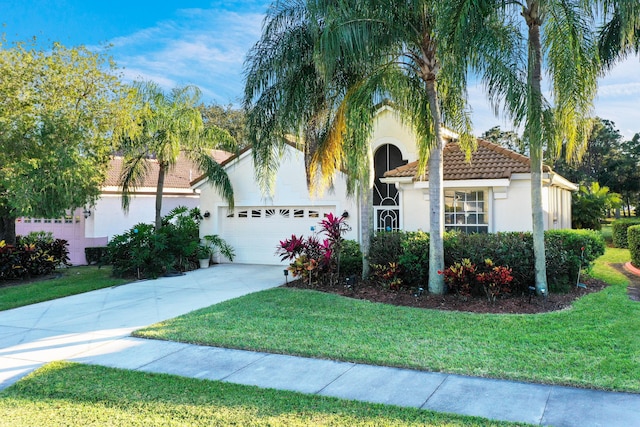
[(217, 243), (171, 125), (289, 99), (314, 258), (591, 204), (558, 36), (620, 35), (409, 61)]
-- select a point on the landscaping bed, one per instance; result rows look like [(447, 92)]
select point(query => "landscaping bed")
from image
[(514, 304)]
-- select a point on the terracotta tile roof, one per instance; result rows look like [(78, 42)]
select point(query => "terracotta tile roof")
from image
[(489, 161), (179, 177)]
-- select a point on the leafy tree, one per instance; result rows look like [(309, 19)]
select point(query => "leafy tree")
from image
[(508, 139), (171, 124), (61, 113), (226, 117), (590, 204)]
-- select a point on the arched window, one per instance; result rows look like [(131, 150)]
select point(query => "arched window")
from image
[(386, 199)]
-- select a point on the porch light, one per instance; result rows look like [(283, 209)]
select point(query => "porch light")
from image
[(86, 213), (207, 214), (345, 214)]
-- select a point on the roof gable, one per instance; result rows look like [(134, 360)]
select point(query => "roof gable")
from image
[(489, 161)]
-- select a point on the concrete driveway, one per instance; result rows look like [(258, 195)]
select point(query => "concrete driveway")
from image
[(68, 328)]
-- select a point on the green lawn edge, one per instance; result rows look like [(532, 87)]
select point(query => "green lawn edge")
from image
[(594, 344), (69, 394), (71, 281)]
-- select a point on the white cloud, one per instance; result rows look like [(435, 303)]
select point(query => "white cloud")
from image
[(202, 47)]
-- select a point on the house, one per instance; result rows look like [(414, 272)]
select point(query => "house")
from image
[(490, 193), (95, 225)]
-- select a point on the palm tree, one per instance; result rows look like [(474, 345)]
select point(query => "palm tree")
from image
[(410, 62), (289, 100), (558, 36), (620, 35), (171, 124)]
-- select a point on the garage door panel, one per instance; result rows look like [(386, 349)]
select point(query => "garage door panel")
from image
[(255, 232)]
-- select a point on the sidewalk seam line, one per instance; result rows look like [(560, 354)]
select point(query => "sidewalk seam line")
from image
[(435, 391), (353, 365)]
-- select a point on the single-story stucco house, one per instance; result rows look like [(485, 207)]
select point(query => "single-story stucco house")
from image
[(491, 193), (96, 225)]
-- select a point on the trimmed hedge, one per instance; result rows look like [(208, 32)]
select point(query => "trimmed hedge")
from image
[(633, 235), (564, 254), (350, 258), (619, 231)]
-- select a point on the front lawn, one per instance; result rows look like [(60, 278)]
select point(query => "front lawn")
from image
[(594, 344), (63, 394), (71, 281)]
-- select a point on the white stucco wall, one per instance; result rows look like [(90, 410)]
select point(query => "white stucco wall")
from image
[(513, 213), (388, 129), (415, 211), (108, 218), (290, 190)]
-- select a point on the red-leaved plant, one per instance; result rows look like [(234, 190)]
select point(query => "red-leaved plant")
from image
[(467, 279), (312, 257)]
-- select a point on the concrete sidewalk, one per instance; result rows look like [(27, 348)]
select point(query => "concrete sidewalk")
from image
[(94, 328)]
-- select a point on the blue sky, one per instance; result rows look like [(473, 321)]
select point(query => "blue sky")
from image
[(204, 43)]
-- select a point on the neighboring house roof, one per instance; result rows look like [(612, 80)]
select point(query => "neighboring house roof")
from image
[(179, 177), (489, 161)]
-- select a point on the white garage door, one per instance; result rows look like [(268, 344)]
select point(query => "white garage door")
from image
[(254, 231)]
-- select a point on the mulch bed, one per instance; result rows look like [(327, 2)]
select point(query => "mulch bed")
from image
[(518, 304)]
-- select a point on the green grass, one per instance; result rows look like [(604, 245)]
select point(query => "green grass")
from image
[(64, 394), (74, 280), (594, 344)]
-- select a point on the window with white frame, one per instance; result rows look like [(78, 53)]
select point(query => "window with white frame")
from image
[(466, 211)]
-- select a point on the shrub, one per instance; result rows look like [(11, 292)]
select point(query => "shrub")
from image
[(414, 259), (496, 281), (512, 249), (36, 254), (619, 231), (145, 252), (350, 258), (387, 275), (386, 246), (140, 252), (633, 234), (461, 278), (96, 255), (468, 279), (312, 258)]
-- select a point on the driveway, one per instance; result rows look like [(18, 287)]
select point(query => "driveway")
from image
[(71, 327)]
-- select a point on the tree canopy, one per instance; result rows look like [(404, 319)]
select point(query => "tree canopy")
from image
[(62, 111)]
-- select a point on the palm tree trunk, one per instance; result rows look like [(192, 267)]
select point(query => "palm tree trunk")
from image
[(436, 198), (366, 228), (159, 191), (535, 145)]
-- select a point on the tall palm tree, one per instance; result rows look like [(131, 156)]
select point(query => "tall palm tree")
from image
[(289, 100), (171, 124), (557, 35), (410, 62)]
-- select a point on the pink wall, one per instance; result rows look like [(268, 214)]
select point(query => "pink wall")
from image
[(70, 228)]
